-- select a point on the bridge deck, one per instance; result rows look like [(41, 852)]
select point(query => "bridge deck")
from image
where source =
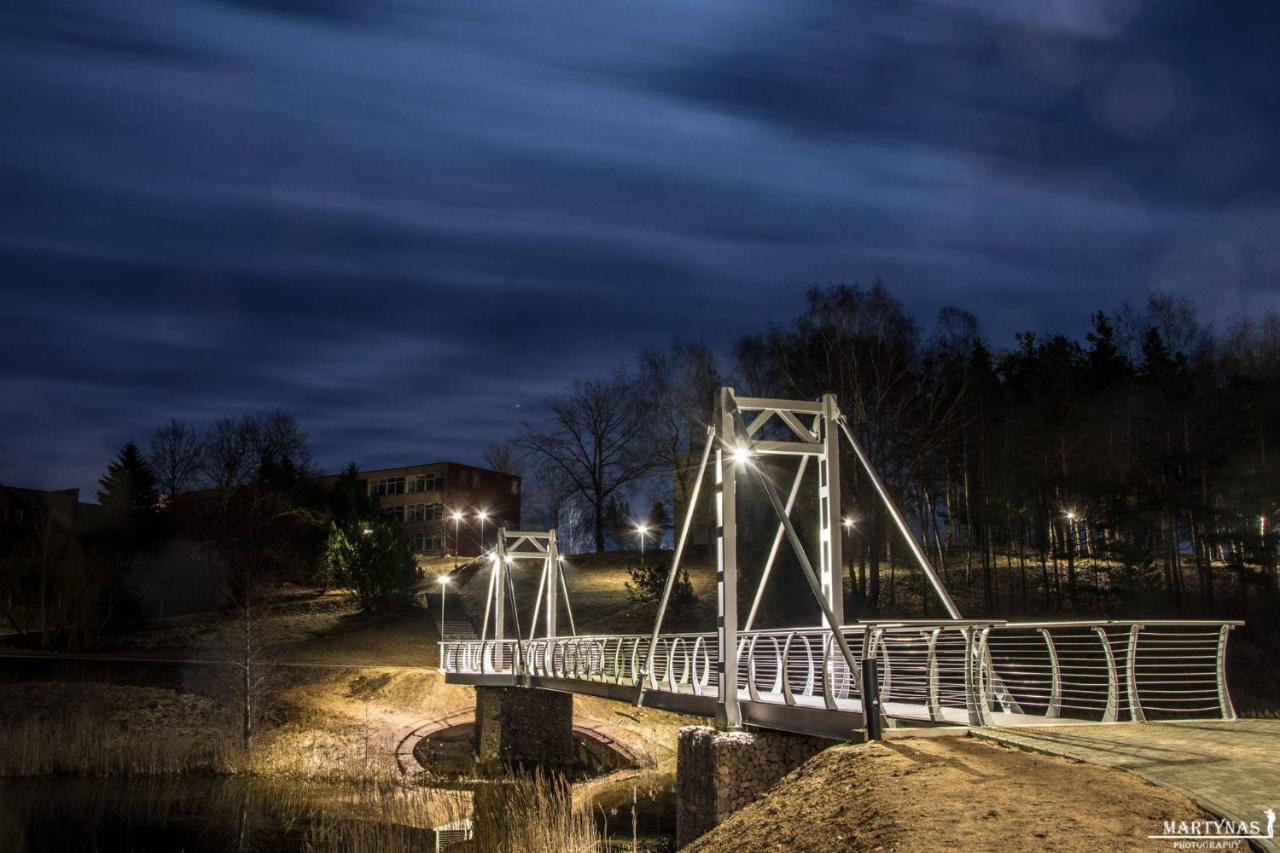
[(928, 673), (1227, 767)]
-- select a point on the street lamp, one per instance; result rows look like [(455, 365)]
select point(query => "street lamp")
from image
[(483, 515), (443, 580), (457, 537), (642, 530)]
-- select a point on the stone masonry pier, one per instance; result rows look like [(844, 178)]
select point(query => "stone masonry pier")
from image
[(521, 726), (719, 772)]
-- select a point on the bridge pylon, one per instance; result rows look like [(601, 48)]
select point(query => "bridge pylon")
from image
[(745, 430), (513, 547)]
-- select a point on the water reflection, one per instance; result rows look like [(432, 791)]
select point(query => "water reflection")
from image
[(217, 815)]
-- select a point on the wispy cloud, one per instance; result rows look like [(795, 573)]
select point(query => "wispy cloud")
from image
[(404, 219)]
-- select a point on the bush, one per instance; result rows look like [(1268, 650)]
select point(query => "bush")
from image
[(650, 578), (373, 558)]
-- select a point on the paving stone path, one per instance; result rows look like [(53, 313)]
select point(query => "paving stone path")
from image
[(1231, 768)]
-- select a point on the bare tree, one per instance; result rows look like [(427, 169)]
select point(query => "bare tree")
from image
[(597, 436), (237, 450), (502, 456), (552, 489), (679, 386), (175, 457)]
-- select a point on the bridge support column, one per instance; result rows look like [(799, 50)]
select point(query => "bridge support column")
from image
[(719, 772), (522, 726)]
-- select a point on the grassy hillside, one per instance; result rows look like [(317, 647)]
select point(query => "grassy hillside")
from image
[(948, 793), (598, 594)]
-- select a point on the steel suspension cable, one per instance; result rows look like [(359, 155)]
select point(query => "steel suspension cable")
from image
[(537, 606), (912, 545), (488, 600), (675, 558), (568, 608), (777, 541), (814, 584), (511, 589)]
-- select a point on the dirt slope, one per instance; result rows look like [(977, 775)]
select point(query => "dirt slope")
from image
[(949, 793)]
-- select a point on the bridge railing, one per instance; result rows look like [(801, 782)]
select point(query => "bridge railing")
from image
[(960, 672)]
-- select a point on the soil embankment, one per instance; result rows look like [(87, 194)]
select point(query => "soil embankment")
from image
[(949, 793)]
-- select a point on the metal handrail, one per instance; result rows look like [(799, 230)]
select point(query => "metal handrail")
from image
[(977, 672)]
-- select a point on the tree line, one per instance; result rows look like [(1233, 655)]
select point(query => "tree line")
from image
[(1127, 471), (207, 517)]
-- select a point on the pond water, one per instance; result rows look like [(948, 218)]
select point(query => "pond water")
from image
[(217, 815)]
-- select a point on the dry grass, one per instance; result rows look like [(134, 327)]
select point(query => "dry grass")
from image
[(934, 793), (80, 744), (108, 730), (525, 814), (597, 591)]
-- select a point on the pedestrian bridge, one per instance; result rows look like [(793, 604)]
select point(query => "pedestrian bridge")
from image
[(969, 673), (832, 678)]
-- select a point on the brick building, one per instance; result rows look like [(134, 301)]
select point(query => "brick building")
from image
[(423, 498), (22, 510)]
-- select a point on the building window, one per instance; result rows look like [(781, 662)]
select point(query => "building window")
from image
[(387, 486), (396, 512), (427, 543), (424, 512), (419, 483), (515, 487)]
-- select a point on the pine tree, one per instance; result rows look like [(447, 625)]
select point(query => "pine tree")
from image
[(127, 493), (349, 499), (658, 519)]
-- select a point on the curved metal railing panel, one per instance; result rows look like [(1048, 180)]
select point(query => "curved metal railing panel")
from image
[(974, 672)]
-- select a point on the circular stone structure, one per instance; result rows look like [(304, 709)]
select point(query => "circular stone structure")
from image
[(443, 749)]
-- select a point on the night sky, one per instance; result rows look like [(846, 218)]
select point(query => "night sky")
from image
[(407, 221)]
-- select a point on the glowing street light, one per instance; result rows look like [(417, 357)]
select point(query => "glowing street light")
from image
[(642, 530), (848, 522), (741, 454), (483, 515), (457, 537), (443, 580)]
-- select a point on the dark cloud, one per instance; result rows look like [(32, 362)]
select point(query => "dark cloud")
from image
[(406, 222)]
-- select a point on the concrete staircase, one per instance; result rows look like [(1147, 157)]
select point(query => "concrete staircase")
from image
[(459, 624)]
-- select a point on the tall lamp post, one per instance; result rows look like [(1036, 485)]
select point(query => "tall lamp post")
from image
[(642, 530), (483, 515), (443, 580), (847, 523), (457, 537)]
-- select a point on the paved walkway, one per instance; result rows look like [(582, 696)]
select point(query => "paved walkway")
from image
[(1232, 769)]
